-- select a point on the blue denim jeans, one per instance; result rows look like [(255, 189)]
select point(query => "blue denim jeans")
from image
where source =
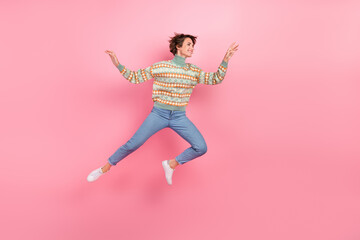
[(158, 119)]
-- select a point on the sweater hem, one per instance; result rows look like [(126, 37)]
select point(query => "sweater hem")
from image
[(169, 107)]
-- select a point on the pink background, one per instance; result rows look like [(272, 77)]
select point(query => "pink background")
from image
[(282, 129)]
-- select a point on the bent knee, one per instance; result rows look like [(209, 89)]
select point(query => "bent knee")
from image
[(202, 149)]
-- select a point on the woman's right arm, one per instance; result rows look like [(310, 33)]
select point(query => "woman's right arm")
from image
[(136, 77)]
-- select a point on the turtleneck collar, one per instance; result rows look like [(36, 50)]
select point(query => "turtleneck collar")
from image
[(179, 60)]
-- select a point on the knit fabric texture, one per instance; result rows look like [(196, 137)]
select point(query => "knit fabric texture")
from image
[(174, 80)]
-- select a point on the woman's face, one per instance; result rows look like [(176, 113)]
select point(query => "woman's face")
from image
[(187, 48)]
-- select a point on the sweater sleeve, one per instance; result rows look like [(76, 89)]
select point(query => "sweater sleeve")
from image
[(212, 78), (136, 77)]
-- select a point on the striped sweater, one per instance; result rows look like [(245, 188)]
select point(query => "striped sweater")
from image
[(174, 80)]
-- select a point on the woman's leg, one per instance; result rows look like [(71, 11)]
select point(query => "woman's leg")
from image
[(152, 124), (187, 130), (106, 167)]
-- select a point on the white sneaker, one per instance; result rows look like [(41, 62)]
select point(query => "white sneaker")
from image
[(94, 175), (168, 171)]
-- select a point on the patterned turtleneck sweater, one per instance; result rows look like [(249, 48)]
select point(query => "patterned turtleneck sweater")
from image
[(174, 80)]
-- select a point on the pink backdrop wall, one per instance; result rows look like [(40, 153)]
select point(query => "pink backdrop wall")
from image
[(282, 129)]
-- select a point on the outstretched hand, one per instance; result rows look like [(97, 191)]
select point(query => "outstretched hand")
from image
[(230, 52), (113, 57)]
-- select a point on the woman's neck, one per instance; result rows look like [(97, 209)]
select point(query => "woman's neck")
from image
[(179, 60)]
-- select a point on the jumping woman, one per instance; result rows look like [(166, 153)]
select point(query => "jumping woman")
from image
[(174, 81)]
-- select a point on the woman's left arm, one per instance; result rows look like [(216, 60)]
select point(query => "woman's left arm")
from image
[(212, 78)]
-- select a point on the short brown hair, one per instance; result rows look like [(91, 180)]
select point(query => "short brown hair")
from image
[(178, 40)]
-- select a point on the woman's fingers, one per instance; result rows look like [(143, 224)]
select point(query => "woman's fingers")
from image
[(232, 49), (110, 52), (235, 47)]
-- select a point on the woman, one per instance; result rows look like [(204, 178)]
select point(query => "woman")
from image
[(174, 81)]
